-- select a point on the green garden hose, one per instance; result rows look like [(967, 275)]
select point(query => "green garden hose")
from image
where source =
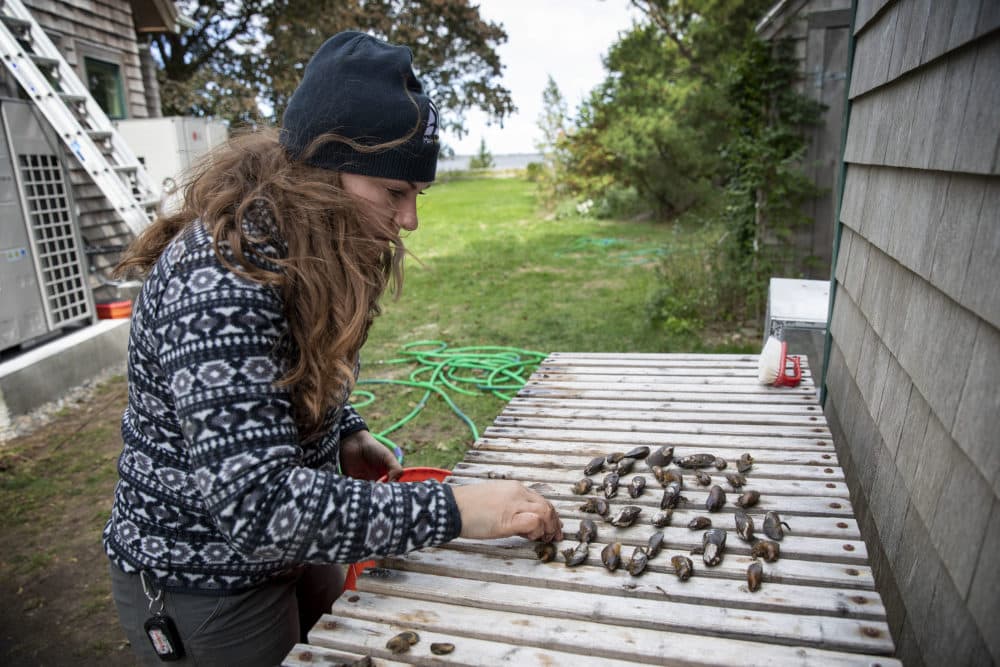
[(471, 371)]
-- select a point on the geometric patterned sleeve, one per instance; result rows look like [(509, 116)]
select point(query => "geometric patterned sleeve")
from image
[(351, 421), (217, 334)]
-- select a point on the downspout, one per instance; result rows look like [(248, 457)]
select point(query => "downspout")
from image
[(837, 227)]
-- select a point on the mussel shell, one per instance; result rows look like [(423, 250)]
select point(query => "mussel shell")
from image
[(611, 556), (587, 532), (626, 516), (720, 463), (442, 648), (696, 461), (748, 498), (703, 478), (610, 485), (583, 486), (577, 555), (614, 458), (672, 476), (625, 465), (655, 544), (773, 526), (744, 463), (755, 574), (713, 542), (636, 486), (596, 465), (671, 496), (596, 505), (637, 563), (402, 642), (716, 499), (683, 567), (640, 452), (744, 525), (766, 550), (662, 518), (661, 457), (700, 523), (545, 551), (736, 480)]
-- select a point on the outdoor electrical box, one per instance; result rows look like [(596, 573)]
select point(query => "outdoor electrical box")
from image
[(43, 279), (168, 146)]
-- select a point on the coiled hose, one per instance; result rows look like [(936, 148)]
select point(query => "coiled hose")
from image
[(471, 371)]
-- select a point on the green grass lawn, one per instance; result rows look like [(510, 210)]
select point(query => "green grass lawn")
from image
[(489, 269)]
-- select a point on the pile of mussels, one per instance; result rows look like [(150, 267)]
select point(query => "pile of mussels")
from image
[(713, 541)]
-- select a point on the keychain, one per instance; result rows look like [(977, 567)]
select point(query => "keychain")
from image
[(159, 627)]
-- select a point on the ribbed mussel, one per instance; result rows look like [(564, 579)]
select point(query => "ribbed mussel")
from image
[(611, 556), (713, 545), (755, 574), (716, 499), (696, 461), (766, 550), (583, 486), (636, 486), (626, 516), (683, 567), (661, 457), (748, 498), (637, 563), (596, 505), (744, 525), (773, 526)]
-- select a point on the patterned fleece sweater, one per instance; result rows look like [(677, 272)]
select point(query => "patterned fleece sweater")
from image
[(217, 492)]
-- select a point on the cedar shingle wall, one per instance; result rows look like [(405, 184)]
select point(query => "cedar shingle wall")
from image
[(912, 391)]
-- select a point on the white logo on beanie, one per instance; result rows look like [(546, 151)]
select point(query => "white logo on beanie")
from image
[(431, 131)]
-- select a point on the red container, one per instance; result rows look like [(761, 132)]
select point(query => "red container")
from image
[(354, 570), (112, 310)]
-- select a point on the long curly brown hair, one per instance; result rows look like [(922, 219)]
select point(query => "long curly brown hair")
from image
[(339, 260)]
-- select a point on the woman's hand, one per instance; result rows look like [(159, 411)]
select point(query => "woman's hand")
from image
[(502, 509), (364, 457)]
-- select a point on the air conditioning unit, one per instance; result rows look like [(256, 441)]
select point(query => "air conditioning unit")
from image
[(43, 278)]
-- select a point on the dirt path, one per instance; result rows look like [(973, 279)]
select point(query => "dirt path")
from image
[(55, 491)]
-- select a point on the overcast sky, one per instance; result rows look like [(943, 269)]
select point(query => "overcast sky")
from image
[(564, 38)]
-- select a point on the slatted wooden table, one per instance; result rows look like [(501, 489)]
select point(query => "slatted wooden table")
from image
[(498, 604)]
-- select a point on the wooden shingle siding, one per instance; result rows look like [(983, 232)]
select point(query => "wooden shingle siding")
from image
[(915, 330)]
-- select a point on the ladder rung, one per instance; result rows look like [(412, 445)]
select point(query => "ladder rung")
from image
[(124, 168), (44, 61), (15, 24), (99, 135), (72, 98)]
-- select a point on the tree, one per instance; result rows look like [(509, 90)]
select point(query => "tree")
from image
[(483, 159), (243, 59), (553, 123)]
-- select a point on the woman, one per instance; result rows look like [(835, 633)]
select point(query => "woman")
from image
[(245, 471)]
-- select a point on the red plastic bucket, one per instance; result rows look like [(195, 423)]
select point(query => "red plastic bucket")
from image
[(354, 570)]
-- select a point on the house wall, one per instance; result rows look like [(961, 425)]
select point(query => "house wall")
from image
[(103, 29), (912, 395), (819, 31)]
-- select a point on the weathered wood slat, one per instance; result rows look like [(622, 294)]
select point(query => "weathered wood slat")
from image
[(657, 581), (635, 644), (823, 456), (647, 373), (628, 363), (791, 629), (769, 464), (309, 655), (733, 566), (632, 393), (347, 632), (652, 410), (692, 385), (651, 357), (831, 505), (649, 424), (657, 439)]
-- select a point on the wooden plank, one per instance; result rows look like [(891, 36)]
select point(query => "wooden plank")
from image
[(744, 412), (834, 503), (652, 356), (689, 384), (347, 633), (309, 655), (790, 629), (811, 456), (654, 439), (649, 373), (593, 577), (768, 464), (636, 644), (648, 423), (629, 365), (733, 566), (598, 391)]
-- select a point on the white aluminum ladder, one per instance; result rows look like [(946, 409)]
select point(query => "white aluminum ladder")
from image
[(80, 122)]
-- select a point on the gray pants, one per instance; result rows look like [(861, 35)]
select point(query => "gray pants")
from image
[(258, 627)]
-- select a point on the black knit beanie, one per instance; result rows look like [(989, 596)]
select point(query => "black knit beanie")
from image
[(363, 89)]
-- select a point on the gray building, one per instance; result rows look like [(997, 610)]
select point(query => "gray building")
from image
[(914, 348)]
